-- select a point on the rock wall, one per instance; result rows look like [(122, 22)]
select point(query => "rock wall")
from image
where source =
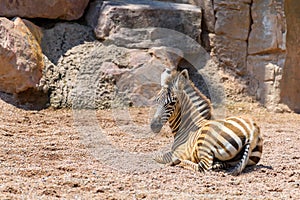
[(266, 51), (123, 46), (290, 87), (248, 40)]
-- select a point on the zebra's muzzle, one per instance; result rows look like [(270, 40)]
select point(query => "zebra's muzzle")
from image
[(156, 125)]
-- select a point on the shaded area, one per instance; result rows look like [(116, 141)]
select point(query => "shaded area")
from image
[(30, 99), (195, 76), (61, 37)]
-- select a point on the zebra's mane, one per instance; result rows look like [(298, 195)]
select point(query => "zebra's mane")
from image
[(199, 100), (175, 77), (201, 97), (194, 108)]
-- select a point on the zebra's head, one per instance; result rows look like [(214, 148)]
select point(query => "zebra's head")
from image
[(166, 98)]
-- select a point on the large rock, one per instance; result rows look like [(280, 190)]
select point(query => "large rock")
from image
[(140, 14), (232, 19), (146, 38), (208, 13), (268, 28), (95, 75), (112, 76), (207, 9), (169, 56), (20, 54), (141, 84), (92, 75), (62, 9), (231, 53), (266, 49), (231, 33), (59, 39), (177, 44), (290, 87), (266, 72), (63, 55)]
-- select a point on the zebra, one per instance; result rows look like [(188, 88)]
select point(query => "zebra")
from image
[(203, 107), (201, 143)]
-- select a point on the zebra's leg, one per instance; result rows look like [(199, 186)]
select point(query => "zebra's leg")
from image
[(206, 158), (187, 164), (163, 158), (167, 159), (220, 165), (174, 161), (243, 162)]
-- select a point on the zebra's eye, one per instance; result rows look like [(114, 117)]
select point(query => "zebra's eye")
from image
[(172, 103), (157, 100)]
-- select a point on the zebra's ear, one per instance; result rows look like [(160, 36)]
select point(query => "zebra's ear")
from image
[(182, 79), (185, 73)]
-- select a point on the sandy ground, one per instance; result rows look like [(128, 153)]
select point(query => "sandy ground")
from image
[(65, 154)]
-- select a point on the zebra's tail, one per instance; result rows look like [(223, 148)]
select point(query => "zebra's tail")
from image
[(249, 146), (243, 162)]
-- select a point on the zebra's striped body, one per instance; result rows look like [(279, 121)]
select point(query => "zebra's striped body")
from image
[(203, 144)]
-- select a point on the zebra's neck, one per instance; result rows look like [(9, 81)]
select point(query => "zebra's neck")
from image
[(200, 102), (192, 110)]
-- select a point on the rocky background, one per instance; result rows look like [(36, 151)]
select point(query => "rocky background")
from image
[(102, 54)]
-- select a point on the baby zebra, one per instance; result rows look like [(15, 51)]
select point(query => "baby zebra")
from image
[(203, 108), (201, 144)]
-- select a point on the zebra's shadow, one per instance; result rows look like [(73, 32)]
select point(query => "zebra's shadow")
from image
[(248, 169), (258, 167)]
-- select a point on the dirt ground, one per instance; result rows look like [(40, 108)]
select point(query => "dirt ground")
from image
[(65, 154)]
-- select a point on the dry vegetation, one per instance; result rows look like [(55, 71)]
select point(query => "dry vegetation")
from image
[(50, 154)]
